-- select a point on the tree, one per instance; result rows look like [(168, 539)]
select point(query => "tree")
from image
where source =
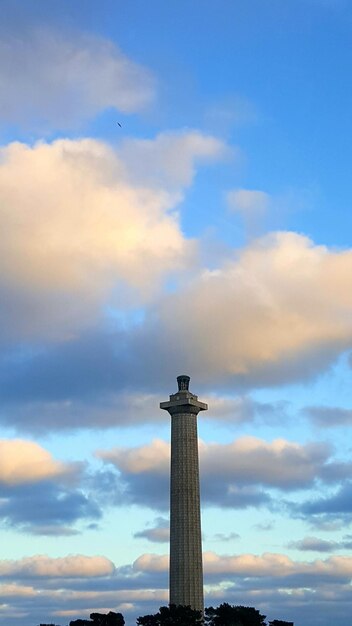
[(172, 615), (101, 619), (279, 622), (109, 619), (229, 615)]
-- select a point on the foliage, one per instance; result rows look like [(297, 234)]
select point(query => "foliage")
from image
[(101, 619), (229, 615), (109, 619), (172, 615)]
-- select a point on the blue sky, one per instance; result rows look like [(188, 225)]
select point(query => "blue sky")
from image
[(208, 235)]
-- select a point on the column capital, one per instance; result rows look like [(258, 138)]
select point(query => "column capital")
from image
[(183, 401)]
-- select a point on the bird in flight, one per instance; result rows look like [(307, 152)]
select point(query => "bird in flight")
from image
[(118, 123)]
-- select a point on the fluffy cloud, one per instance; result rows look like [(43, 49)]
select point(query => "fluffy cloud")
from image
[(232, 475), (57, 80), (279, 311), (27, 462), (269, 564), (40, 495), (76, 232), (74, 586), (64, 567)]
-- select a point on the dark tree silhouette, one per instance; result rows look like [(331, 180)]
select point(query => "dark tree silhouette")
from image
[(280, 622), (172, 616), (109, 619), (229, 615), (101, 619)]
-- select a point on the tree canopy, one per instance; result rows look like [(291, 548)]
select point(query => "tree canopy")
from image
[(172, 616), (229, 615), (101, 619)]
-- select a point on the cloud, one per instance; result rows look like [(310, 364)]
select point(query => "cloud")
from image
[(252, 205), (40, 495), (154, 457), (46, 508), (262, 212), (223, 537), (243, 409), (232, 475), (24, 462), (250, 565), (249, 460), (279, 311), (58, 80), (107, 411), (159, 533), (329, 416), (63, 567), (338, 504), (169, 161), (74, 586), (79, 237), (314, 544)]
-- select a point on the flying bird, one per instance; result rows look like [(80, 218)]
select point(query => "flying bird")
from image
[(118, 123)]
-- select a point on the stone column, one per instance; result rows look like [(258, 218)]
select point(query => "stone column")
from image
[(186, 569)]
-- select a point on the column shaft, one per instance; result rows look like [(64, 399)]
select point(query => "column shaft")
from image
[(186, 571)]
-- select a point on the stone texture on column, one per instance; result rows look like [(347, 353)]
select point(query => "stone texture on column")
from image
[(186, 570)]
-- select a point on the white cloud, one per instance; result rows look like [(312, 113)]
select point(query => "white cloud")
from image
[(69, 566), (251, 565), (281, 310), (27, 462), (245, 461), (49, 79), (154, 457), (76, 232), (251, 460)]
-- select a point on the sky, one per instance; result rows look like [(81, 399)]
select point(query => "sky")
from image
[(175, 198)]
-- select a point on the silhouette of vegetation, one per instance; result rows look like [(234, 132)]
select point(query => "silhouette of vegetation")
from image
[(279, 622), (229, 615), (101, 619), (172, 615)]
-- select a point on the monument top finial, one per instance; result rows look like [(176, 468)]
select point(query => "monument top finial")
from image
[(183, 382)]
